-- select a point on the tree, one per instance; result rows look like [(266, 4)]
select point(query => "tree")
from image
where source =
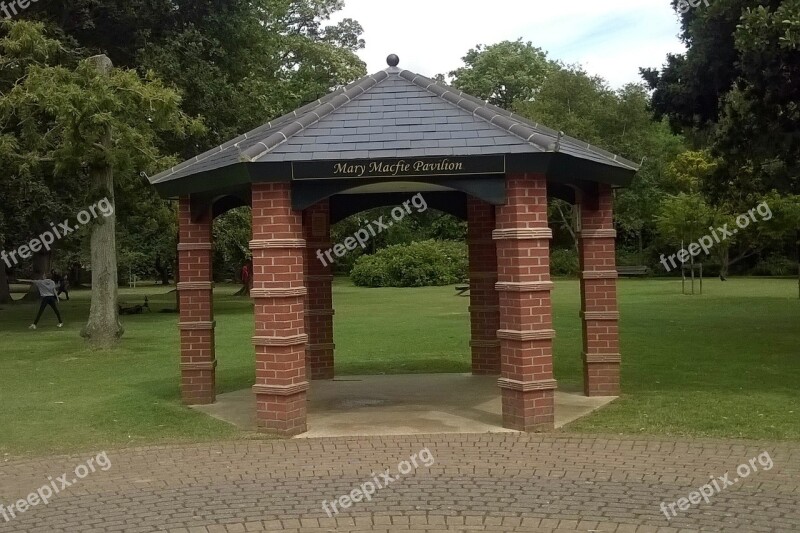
[(688, 172), (239, 63), (685, 218), (735, 91), (503, 73), (784, 223), (689, 87), (758, 130), (33, 197), (88, 124)]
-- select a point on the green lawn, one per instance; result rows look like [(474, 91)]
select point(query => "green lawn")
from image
[(723, 364)]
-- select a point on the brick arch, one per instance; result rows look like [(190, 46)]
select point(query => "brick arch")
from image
[(450, 202), (223, 203)]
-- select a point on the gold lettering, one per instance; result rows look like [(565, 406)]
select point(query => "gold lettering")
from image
[(396, 168)]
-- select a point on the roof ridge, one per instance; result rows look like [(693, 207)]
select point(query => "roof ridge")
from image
[(311, 117), (531, 132)]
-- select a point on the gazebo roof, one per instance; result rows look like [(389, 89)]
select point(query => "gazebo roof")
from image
[(393, 114)]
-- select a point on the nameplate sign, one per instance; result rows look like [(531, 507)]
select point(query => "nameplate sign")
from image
[(393, 168)]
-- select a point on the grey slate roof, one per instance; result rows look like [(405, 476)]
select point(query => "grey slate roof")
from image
[(394, 113)]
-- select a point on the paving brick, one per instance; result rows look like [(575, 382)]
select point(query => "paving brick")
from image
[(491, 482)]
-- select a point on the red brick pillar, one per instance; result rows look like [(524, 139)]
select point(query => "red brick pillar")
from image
[(319, 301), (601, 354), (195, 291), (279, 293), (484, 301), (526, 323)]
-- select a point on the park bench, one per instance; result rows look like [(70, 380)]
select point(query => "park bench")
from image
[(632, 271)]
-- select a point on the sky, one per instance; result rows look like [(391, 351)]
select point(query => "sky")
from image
[(609, 38)]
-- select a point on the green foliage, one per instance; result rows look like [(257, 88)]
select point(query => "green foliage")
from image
[(688, 172), (429, 224), (584, 107), (690, 86), (571, 100), (80, 105), (147, 234), (735, 91), (775, 265), (503, 73), (55, 113), (239, 63), (564, 262), (760, 118), (30, 191), (232, 234), (684, 218), (417, 264)]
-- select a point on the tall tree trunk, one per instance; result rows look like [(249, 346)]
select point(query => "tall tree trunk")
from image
[(5, 290), (163, 272), (640, 239), (41, 265), (75, 275), (724, 257), (103, 328)]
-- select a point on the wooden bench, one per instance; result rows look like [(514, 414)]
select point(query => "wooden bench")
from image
[(462, 290), (632, 271)]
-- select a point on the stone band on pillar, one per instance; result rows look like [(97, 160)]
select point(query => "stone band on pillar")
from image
[(484, 306), (279, 296), (599, 310), (195, 294), (526, 326)]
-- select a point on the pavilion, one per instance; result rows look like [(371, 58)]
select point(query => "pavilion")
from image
[(370, 144)]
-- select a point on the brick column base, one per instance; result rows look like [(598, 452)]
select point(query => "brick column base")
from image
[(528, 411), (198, 366), (195, 293), (600, 379), (281, 410)]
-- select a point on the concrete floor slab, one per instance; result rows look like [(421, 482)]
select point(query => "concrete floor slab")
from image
[(400, 405)]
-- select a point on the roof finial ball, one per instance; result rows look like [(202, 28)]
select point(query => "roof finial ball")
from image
[(393, 60)]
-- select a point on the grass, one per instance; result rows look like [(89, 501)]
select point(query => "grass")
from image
[(723, 364)]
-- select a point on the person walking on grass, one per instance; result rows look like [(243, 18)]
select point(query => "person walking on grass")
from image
[(48, 292)]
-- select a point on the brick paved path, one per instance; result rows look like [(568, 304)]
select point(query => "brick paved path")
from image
[(500, 482)]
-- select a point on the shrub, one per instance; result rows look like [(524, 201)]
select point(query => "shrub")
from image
[(775, 265), (564, 262), (417, 264)]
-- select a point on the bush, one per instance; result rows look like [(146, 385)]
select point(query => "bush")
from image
[(418, 264), (775, 265), (564, 262)]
